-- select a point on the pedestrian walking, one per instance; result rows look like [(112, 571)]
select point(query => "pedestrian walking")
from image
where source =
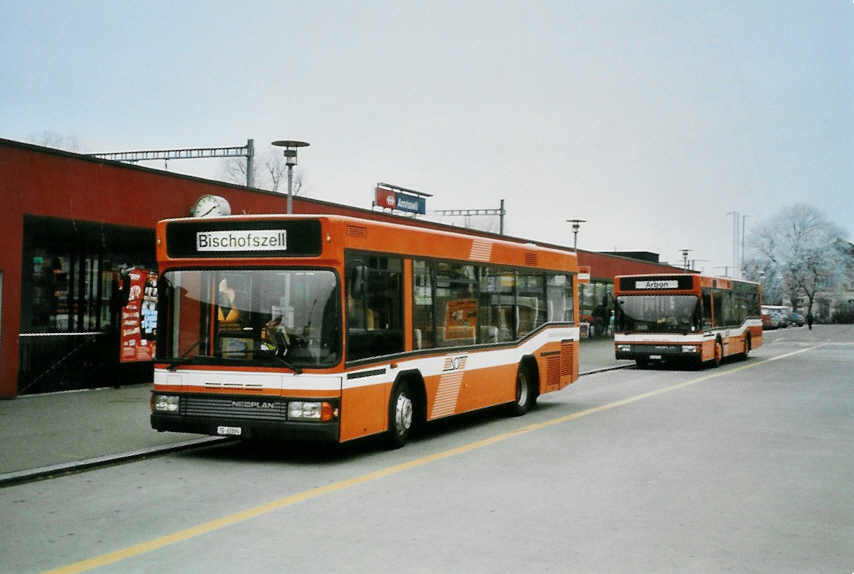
[(809, 320)]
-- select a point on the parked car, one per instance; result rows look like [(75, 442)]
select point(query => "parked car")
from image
[(777, 317), (766, 319), (796, 319)]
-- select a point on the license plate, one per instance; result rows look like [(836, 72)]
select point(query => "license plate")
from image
[(655, 357), (229, 431)]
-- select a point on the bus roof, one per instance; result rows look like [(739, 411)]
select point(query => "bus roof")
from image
[(362, 234)]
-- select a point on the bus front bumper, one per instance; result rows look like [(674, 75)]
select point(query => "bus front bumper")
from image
[(246, 416), (634, 351), (246, 428)]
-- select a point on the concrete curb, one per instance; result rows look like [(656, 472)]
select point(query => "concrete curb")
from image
[(30, 475), (604, 369)]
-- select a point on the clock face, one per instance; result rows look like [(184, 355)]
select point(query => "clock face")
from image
[(210, 206)]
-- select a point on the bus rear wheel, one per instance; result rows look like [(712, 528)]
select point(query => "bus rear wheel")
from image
[(719, 353), (525, 396), (401, 415)]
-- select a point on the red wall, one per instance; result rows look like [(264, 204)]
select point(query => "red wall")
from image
[(38, 181), (46, 182), (604, 266)]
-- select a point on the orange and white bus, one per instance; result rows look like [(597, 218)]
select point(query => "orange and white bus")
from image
[(339, 328), (669, 317)]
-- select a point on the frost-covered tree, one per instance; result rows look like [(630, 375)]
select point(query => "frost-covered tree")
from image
[(800, 248)]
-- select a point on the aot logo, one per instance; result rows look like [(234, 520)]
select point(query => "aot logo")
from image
[(455, 363)]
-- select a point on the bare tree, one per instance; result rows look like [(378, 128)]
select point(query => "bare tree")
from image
[(802, 249), (234, 170), (273, 175), (50, 138)]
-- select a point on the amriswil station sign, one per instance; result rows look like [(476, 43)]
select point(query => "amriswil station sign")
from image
[(401, 199)]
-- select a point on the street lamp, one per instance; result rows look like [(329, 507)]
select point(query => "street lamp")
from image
[(576, 225), (290, 152)]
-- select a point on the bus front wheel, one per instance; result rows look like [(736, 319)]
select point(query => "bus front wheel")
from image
[(401, 415), (719, 353)]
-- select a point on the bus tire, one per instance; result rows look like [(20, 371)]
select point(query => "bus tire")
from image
[(525, 393), (747, 347), (401, 414), (719, 353)]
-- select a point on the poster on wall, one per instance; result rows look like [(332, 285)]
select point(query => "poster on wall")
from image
[(139, 317), (461, 319)]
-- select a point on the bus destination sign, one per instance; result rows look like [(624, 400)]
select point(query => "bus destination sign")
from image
[(653, 283), (248, 240), (243, 239), (668, 284)]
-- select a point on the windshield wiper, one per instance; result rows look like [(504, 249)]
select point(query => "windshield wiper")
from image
[(173, 363), (294, 368)]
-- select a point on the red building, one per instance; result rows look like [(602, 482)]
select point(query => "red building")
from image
[(71, 222)]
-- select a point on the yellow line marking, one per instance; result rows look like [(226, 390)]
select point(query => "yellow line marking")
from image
[(204, 528)]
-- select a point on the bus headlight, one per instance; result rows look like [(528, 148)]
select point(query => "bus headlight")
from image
[(689, 348), (311, 411), (624, 348), (165, 403)]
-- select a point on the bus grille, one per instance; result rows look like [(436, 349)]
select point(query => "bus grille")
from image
[(566, 358), (553, 371), (254, 408)]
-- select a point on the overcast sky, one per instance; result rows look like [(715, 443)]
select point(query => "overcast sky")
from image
[(652, 120)]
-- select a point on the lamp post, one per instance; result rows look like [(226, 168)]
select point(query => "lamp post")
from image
[(576, 225), (290, 152)]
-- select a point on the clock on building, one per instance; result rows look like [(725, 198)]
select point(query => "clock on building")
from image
[(210, 206)]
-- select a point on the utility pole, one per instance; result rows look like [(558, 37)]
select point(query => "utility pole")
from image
[(247, 151), (694, 263), (685, 253), (736, 219), (743, 228), (500, 212)]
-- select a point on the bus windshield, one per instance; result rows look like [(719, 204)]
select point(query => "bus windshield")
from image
[(657, 313), (288, 317)]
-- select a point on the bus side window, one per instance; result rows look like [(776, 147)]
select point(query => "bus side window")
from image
[(422, 319), (374, 306), (707, 308), (718, 307)]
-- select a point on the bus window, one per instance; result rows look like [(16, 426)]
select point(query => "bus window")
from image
[(374, 306), (423, 324), (707, 308), (495, 305), (456, 304), (559, 297), (531, 302)]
